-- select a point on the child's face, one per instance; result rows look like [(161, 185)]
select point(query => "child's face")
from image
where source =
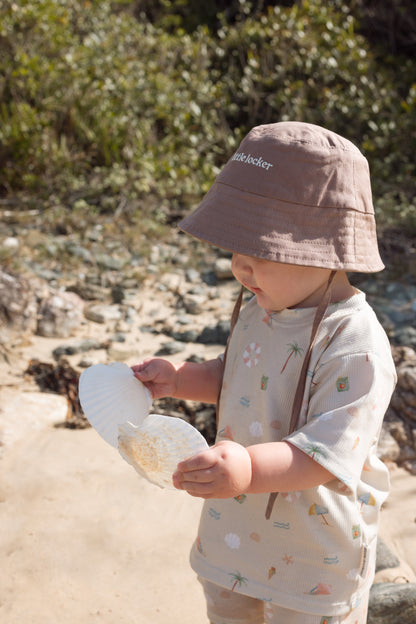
[(278, 286)]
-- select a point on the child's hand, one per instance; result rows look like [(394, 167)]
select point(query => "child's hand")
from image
[(223, 471), (158, 375)]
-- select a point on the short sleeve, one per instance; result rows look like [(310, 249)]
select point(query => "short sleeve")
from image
[(348, 398)]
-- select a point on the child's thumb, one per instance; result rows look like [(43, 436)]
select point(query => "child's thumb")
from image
[(144, 373)]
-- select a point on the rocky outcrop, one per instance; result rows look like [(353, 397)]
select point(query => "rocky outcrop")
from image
[(398, 442)]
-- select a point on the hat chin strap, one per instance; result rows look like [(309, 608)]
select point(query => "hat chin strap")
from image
[(300, 389)]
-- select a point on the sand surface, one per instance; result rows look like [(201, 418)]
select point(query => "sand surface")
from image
[(84, 539)]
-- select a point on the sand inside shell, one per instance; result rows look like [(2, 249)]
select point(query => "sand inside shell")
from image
[(148, 452)]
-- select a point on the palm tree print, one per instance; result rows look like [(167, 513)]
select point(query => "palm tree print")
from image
[(238, 579), (313, 450), (294, 349)]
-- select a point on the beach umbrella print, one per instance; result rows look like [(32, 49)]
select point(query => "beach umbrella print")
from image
[(317, 510), (367, 499)]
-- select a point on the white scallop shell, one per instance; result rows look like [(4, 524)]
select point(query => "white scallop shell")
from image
[(155, 447), (110, 395)]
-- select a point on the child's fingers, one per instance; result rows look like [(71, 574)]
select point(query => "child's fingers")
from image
[(201, 461), (138, 368), (146, 371)]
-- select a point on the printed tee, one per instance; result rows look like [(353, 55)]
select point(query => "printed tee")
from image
[(316, 553)]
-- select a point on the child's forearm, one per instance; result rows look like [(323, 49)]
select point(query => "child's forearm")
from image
[(199, 382), (282, 467)]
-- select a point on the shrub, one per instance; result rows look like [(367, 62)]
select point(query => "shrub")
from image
[(101, 105)]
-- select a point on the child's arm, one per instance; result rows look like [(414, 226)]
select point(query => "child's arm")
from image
[(228, 469), (188, 380)]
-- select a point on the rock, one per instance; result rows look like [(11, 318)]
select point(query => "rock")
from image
[(102, 313), (215, 334), (117, 293), (18, 306), (79, 252), (193, 276), (194, 304), (385, 558), (170, 348), (189, 335), (400, 420), (115, 354), (81, 346), (11, 243), (105, 261), (59, 315), (88, 291), (392, 603), (388, 448), (29, 411), (406, 336), (222, 269)]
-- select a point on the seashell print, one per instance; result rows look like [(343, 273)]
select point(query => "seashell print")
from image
[(155, 447), (256, 429), (232, 540), (111, 395)]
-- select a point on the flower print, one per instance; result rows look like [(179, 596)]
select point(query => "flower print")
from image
[(251, 355), (294, 349)]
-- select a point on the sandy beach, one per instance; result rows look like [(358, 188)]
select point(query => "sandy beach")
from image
[(85, 539)]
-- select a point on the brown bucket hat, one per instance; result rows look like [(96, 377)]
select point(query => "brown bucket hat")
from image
[(295, 193)]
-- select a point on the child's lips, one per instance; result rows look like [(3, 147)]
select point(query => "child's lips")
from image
[(253, 289)]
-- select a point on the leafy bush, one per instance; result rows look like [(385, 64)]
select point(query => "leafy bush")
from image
[(92, 95), (100, 105)]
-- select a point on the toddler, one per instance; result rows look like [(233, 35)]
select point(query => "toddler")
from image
[(293, 485)]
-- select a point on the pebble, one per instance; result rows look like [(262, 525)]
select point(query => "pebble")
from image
[(101, 313), (170, 348), (215, 334)]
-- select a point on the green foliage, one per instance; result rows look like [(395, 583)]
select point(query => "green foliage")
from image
[(132, 106)]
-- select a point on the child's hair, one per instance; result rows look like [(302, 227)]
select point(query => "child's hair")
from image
[(295, 193)]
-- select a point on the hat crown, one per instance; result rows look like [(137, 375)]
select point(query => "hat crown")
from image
[(303, 164)]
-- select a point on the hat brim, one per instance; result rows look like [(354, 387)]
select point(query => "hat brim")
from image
[(272, 229)]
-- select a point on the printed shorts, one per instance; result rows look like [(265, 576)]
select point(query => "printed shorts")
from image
[(227, 607)]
